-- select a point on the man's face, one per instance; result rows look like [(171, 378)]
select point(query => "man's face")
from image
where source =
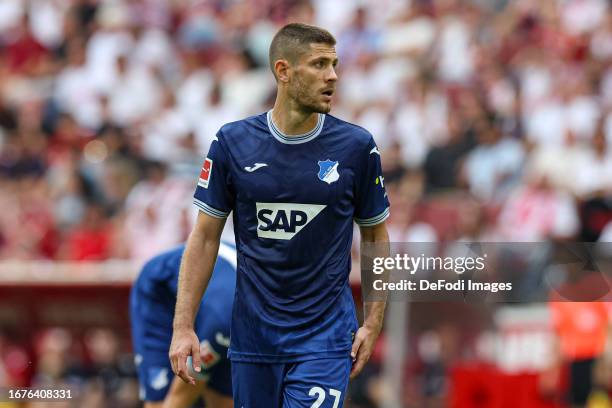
[(313, 79)]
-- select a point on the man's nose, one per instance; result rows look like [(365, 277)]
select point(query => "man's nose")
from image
[(331, 75)]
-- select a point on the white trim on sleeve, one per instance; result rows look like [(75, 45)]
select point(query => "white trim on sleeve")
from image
[(213, 212), (369, 222)]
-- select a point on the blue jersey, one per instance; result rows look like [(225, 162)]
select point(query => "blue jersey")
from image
[(159, 279), (294, 199), (158, 282), (152, 301)]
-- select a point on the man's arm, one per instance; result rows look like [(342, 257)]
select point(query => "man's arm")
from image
[(196, 269), (366, 336)]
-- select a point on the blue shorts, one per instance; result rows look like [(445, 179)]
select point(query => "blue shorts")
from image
[(317, 383), (151, 320)]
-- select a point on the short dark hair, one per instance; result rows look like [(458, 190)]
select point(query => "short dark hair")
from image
[(293, 39)]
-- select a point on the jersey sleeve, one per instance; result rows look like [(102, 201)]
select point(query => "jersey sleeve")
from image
[(213, 194), (372, 204)]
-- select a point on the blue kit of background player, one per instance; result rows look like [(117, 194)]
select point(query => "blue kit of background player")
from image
[(152, 304)]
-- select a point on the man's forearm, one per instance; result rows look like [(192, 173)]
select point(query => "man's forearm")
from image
[(196, 269), (374, 311), (374, 315)]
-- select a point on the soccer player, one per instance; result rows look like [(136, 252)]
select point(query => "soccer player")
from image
[(295, 179), (152, 302)]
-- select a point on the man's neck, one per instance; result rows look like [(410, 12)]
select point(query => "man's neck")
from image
[(290, 120)]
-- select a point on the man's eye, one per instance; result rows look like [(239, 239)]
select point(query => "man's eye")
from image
[(319, 64)]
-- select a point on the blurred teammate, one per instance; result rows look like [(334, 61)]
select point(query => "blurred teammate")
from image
[(152, 302), (295, 179)]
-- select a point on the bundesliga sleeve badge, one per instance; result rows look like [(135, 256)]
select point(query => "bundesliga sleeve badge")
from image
[(205, 173)]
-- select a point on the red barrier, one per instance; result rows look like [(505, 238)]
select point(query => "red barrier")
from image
[(483, 386)]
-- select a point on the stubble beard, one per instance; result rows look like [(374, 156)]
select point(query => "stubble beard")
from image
[(306, 99)]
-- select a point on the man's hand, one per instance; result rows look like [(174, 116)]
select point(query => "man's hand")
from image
[(363, 345), (196, 269), (185, 343)]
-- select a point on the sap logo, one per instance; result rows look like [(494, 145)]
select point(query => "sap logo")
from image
[(284, 220)]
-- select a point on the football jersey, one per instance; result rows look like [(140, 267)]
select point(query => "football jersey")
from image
[(163, 270), (159, 280), (294, 199), (152, 303)]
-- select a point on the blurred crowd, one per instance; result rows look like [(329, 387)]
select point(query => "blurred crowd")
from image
[(90, 364), (493, 117)]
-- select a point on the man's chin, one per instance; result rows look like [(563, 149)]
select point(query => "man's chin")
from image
[(318, 108), (324, 108)]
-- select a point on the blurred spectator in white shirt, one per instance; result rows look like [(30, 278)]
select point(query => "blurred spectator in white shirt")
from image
[(421, 120), (165, 137), (493, 167), (75, 90), (211, 118), (454, 46), (560, 164), (537, 212), (580, 16), (594, 175), (136, 94), (158, 213), (107, 43)]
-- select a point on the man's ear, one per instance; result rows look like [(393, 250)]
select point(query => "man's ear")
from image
[(281, 68)]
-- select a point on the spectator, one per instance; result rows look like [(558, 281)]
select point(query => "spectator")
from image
[(25, 54), (135, 94), (538, 212), (75, 92), (157, 212), (442, 163), (91, 239), (493, 166)]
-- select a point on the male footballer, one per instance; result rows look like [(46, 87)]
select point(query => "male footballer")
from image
[(295, 178), (152, 302)]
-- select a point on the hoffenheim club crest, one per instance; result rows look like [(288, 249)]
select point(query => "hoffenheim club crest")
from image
[(328, 171)]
